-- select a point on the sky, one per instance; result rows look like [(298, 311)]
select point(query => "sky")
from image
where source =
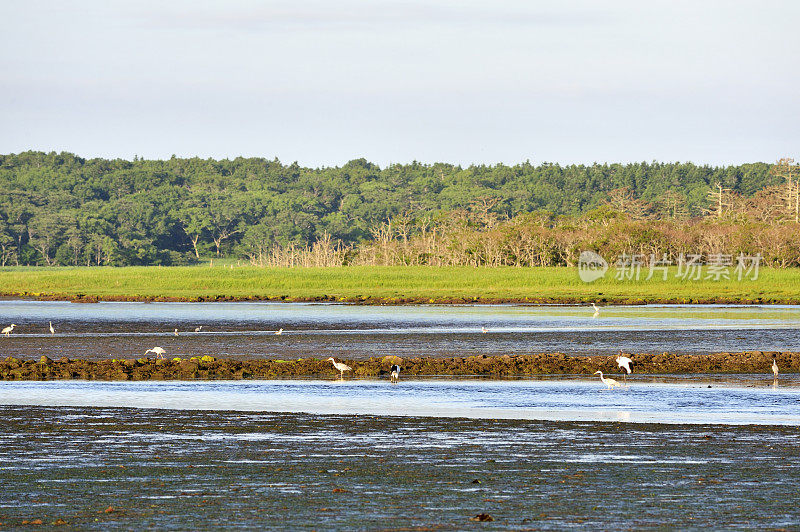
[(459, 81)]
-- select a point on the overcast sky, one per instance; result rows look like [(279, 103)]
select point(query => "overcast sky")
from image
[(323, 82)]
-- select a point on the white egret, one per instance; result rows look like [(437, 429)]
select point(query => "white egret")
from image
[(624, 363), (775, 368), (197, 329), (394, 375), (596, 310), (159, 351), (176, 332), (279, 332), (341, 367), (52, 331), (484, 330), (7, 330), (607, 381)]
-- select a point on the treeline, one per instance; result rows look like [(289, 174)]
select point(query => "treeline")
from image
[(61, 209)]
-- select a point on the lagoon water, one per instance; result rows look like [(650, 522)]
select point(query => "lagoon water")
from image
[(246, 330), (675, 452), (696, 399)]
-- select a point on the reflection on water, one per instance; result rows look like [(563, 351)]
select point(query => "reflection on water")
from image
[(749, 401), (245, 330)]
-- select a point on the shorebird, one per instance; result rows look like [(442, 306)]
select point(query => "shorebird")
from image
[(197, 329), (775, 368), (394, 375), (279, 332), (7, 330), (159, 351), (176, 332), (484, 330), (52, 331), (624, 363), (608, 382), (596, 310), (341, 367)]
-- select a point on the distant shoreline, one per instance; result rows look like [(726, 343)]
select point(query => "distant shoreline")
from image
[(368, 301)]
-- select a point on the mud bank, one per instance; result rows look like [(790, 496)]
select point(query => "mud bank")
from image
[(372, 300), (208, 367)]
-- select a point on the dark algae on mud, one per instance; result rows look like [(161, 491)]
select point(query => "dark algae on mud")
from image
[(208, 367)]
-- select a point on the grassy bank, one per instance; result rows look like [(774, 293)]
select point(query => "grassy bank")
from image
[(386, 284)]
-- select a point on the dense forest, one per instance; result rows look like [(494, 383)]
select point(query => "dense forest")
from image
[(61, 209)]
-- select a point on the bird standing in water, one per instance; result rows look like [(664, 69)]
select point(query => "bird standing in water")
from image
[(624, 363), (394, 374), (775, 368), (279, 332), (176, 332), (52, 331), (607, 381), (341, 367), (159, 351), (197, 329), (596, 310), (7, 330)]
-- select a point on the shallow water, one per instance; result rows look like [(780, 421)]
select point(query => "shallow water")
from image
[(115, 468), (246, 330), (696, 400)]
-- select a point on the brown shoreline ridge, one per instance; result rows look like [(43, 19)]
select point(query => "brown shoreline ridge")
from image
[(211, 368), (401, 300)]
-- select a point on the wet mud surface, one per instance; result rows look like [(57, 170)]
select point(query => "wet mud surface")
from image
[(246, 331), (122, 469), (208, 367), (242, 345)]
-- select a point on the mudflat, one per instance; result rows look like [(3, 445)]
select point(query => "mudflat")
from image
[(119, 468)]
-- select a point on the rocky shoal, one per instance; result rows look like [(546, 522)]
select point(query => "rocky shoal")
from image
[(208, 367)]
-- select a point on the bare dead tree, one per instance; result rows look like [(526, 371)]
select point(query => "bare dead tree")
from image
[(767, 205), (623, 200), (718, 199), (787, 169), (673, 204), (481, 207)]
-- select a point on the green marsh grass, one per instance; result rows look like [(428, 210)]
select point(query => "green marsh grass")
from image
[(388, 283)]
